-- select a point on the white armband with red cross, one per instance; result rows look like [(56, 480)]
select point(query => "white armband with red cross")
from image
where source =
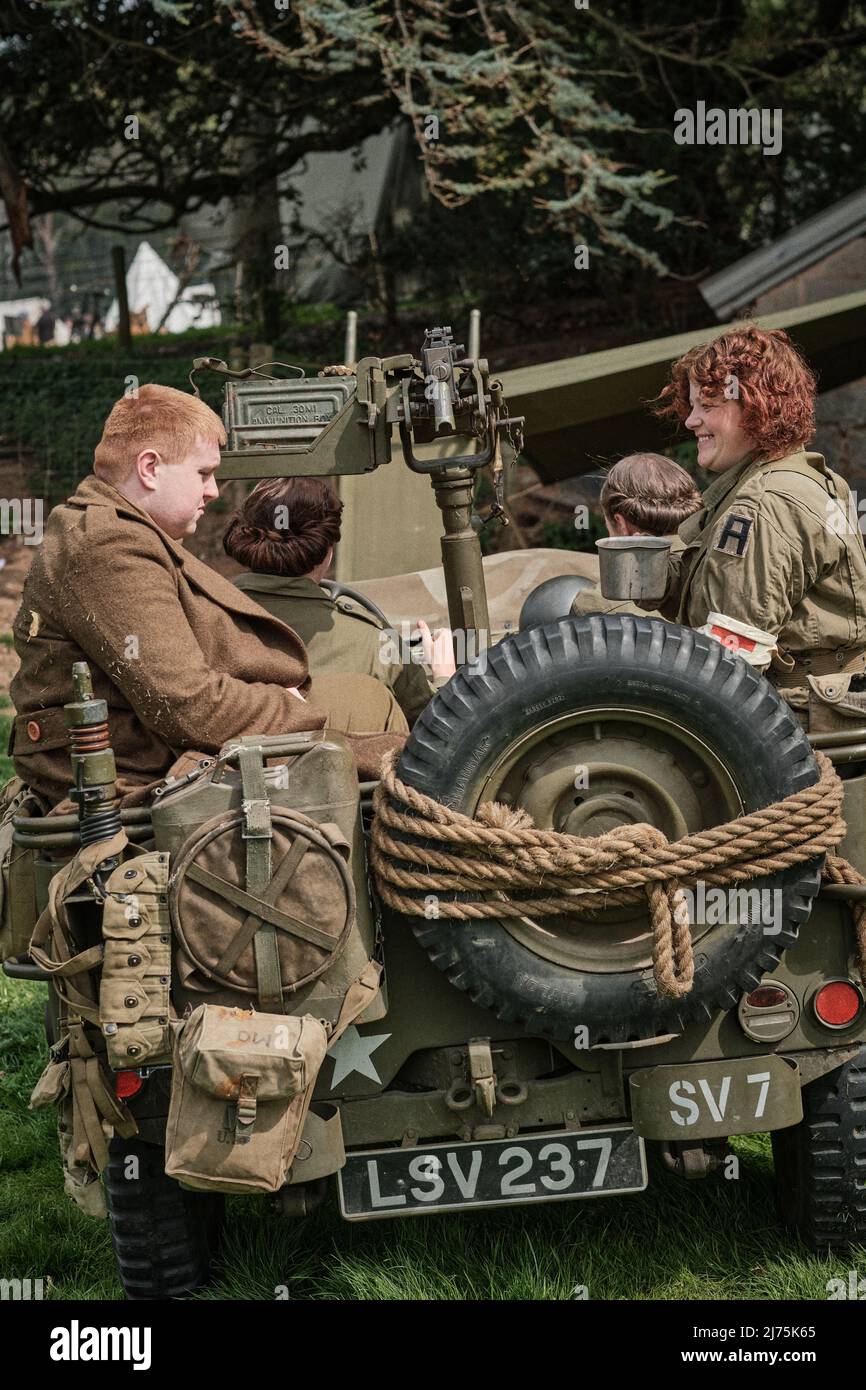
[(751, 643)]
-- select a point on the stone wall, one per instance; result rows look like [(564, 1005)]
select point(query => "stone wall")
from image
[(841, 432), (841, 414)]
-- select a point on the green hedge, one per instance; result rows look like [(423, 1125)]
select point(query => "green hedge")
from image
[(55, 400)]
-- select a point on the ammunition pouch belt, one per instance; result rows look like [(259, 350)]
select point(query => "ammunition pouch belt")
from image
[(76, 1078), (134, 990), (819, 688), (242, 1083)]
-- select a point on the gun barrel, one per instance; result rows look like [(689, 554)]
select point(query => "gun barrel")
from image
[(443, 410), (474, 334)]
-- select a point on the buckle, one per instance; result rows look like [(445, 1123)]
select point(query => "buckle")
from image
[(257, 820), (171, 784)]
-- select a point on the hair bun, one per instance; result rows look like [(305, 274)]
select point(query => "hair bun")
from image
[(314, 508)]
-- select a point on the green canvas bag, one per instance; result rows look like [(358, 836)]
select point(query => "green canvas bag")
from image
[(242, 1083)]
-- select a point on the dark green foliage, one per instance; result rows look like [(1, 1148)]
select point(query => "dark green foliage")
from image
[(555, 126), (564, 536), (7, 769)]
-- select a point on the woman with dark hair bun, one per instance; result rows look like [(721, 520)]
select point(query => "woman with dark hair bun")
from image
[(285, 533), (286, 527), (774, 549)]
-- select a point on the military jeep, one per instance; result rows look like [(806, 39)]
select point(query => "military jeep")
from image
[(520, 1058)]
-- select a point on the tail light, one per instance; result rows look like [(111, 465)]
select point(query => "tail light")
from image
[(126, 1084), (767, 997), (769, 1013), (837, 1003)]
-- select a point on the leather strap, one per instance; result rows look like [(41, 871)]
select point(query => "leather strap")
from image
[(357, 999), (261, 910), (249, 926), (245, 1116), (258, 834), (827, 663), (92, 1100)]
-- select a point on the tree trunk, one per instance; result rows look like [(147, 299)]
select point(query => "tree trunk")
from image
[(255, 236), (47, 236)]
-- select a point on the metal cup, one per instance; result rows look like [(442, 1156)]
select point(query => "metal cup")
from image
[(633, 567)]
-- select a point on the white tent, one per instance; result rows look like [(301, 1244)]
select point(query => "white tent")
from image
[(151, 286)]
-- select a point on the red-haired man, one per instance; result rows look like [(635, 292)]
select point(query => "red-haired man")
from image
[(185, 660)]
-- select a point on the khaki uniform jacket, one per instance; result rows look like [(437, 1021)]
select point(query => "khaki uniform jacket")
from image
[(183, 658), (339, 635), (774, 546)]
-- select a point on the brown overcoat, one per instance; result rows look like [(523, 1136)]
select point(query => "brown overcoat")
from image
[(185, 660)]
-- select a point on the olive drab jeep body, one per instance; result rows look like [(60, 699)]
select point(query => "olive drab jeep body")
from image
[(237, 1004)]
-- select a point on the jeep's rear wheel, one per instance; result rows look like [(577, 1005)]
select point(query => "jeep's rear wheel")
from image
[(821, 1162), (591, 723), (165, 1238)]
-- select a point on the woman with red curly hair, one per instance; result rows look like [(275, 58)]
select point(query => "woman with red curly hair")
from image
[(773, 546)]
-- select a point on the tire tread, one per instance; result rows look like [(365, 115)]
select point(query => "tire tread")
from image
[(164, 1237)]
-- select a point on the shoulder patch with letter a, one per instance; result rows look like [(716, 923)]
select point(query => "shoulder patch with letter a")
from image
[(734, 534)]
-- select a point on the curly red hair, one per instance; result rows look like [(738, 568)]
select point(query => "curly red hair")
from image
[(776, 386)]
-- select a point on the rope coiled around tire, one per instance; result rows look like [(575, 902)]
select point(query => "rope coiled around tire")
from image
[(502, 866)]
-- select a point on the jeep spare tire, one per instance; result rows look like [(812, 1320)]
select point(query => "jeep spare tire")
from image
[(592, 723)]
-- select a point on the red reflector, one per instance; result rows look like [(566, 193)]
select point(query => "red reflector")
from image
[(837, 1003), (126, 1084), (767, 997)]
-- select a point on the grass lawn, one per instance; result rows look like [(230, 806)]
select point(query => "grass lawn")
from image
[(712, 1239)]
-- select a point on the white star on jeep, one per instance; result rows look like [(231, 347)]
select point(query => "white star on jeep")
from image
[(353, 1053)]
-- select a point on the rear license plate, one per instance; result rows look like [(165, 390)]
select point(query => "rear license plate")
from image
[(449, 1177)]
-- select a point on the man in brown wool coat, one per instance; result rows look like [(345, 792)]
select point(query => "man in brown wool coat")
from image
[(185, 660)]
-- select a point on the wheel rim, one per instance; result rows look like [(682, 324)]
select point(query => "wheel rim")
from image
[(589, 772)]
